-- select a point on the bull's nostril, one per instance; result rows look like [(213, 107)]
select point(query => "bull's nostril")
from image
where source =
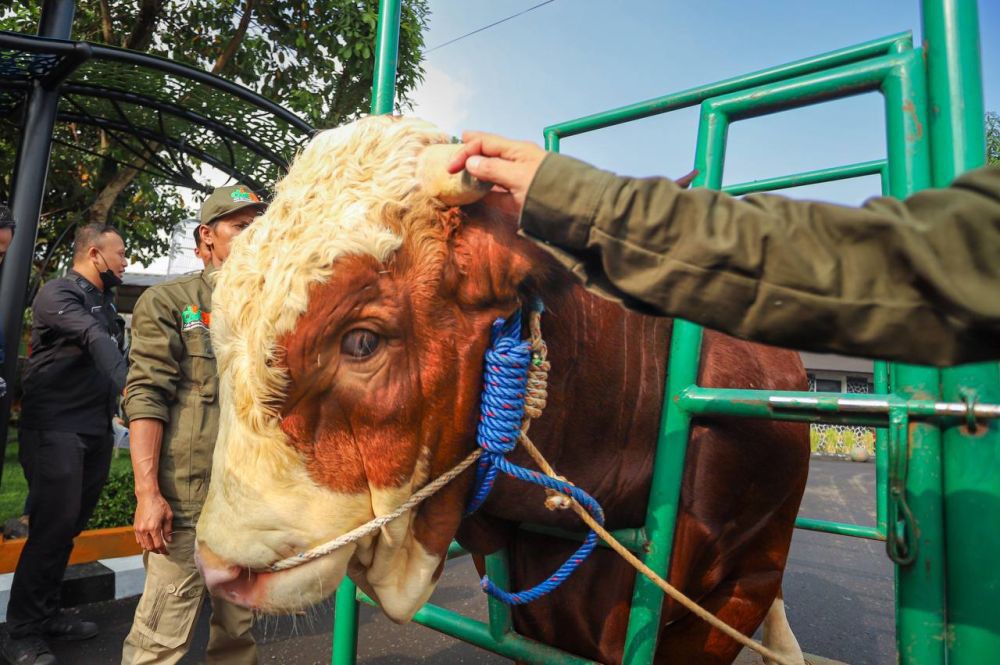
[(216, 571)]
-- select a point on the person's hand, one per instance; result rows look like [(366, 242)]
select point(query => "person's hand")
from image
[(153, 523), (510, 165)]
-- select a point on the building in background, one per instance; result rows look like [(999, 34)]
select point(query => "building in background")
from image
[(839, 374), (178, 261)]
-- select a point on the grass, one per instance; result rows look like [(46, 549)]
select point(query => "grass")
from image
[(14, 489)]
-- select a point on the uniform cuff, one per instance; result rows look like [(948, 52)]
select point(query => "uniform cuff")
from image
[(141, 406), (562, 201)]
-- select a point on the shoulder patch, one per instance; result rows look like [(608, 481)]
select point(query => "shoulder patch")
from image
[(193, 317)]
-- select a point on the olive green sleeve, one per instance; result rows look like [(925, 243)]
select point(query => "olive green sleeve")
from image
[(154, 370), (915, 281)]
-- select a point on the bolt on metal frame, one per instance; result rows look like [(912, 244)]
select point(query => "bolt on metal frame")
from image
[(947, 581)]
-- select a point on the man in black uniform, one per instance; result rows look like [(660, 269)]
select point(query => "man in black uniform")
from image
[(71, 385), (6, 236)]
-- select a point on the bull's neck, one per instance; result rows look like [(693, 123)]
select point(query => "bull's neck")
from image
[(604, 394)]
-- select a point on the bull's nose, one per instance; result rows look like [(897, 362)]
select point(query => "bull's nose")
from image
[(225, 580)]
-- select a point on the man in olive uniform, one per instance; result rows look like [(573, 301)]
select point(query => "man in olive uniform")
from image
[(172, 404), (914, 281)]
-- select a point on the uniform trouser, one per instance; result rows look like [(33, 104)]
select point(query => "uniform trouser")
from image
[(168, 610), (65, 473)]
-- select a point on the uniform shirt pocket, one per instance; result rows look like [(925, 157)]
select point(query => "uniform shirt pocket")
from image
[(204, 376)]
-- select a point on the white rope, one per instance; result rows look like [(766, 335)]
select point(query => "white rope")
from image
[(538, 373), (376, 524), (635, 562)]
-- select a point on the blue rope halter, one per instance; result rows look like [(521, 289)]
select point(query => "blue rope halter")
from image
[(505, 379)]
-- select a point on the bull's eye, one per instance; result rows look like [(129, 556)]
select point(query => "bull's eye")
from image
[(359, 343)]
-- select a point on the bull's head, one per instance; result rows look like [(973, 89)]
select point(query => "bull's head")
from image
[(350, 323)]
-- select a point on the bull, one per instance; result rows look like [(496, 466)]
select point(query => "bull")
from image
[(350, 324)]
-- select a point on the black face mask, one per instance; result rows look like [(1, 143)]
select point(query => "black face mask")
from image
[(108, 278)]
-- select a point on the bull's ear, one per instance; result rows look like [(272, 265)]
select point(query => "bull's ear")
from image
[(488, 262)]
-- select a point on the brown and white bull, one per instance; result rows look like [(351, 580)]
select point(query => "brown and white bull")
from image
[(350, 325)]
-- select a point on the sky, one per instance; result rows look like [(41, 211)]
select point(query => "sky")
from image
[(571, 58)]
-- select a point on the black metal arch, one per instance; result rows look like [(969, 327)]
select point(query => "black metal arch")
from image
[(161, 111)]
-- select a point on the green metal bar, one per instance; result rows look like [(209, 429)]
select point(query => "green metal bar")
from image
[(386, 57), (839, 528), (920, 586), (874, 167), (500, 615), (693, 96), (474, 632), (858, 409), (664, 495), (844, 81), (551, 141), (881, 385), (455, 550), (971, 459), (345, 625), (634, 539), (345, 619)]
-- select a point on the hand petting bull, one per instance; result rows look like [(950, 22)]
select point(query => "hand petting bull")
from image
[(350, 325)]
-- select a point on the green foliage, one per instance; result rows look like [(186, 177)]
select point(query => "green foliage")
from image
[(868, 440), (111, 510), (315, 58), (992, 137), (814, 439), (849, 439), (830, 440), (116, 507)]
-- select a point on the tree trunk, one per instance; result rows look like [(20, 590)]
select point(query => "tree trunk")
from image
[(100, 209)]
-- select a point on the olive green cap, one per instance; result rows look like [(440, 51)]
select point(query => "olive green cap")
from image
[(225, 200)]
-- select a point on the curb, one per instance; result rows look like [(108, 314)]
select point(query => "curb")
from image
[(107, 579)]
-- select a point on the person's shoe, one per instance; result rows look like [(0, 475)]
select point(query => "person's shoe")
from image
[(69, 629), (15, 527), (30, 650)]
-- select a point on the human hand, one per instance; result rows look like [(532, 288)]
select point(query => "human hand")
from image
[(153, 523), (510, 165)]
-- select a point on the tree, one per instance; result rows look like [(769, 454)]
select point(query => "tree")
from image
[(315, 57), (992, 137)]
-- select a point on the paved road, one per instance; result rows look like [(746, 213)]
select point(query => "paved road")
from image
[(838, 591)]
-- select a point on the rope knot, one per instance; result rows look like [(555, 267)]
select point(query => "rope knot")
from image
[(515, 390)]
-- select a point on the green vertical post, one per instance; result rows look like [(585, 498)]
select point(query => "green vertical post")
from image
[(881, 384), (386, 57), (920, 586), (500, 615), (971, 459), (671, 447), (345, 619), (345, 625), (664, 494)]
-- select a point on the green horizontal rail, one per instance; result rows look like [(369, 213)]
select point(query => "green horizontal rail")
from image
[(511, 645), (808, 89), (852, 408), (840, 528), (874, 167), (693, 96), (634, 539)]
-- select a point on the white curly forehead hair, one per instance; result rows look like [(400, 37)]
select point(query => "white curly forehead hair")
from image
[(333, 202)]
